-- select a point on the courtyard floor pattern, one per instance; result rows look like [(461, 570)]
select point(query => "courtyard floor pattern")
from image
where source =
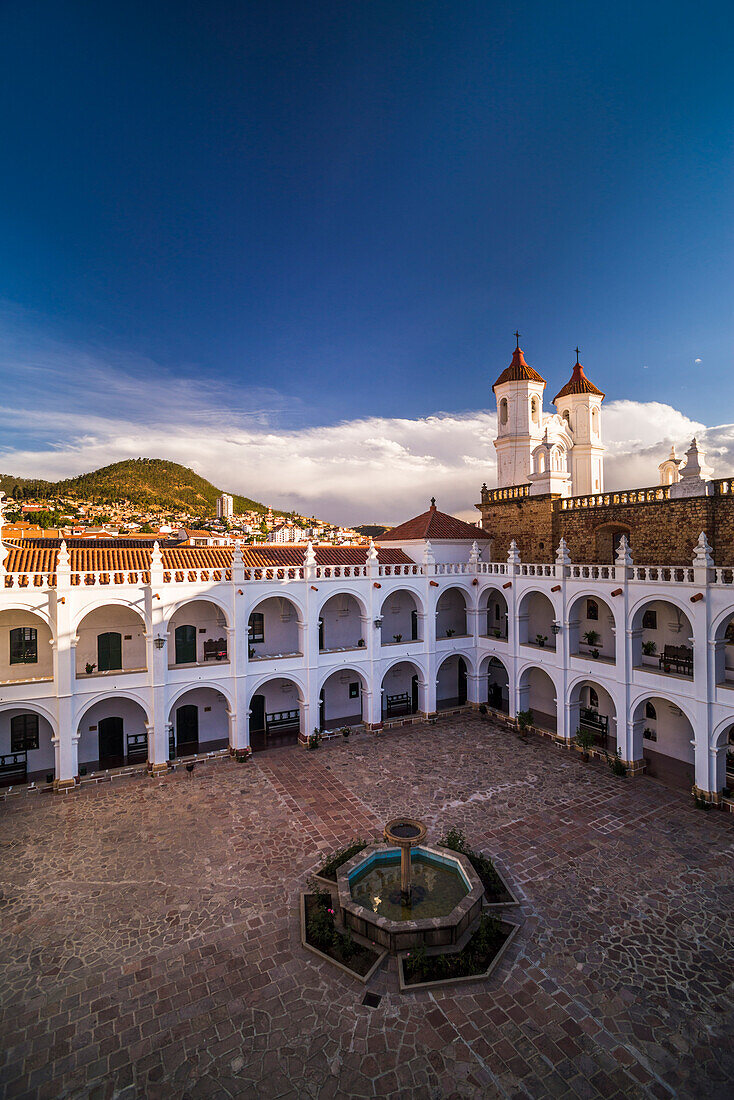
[(149, 940)]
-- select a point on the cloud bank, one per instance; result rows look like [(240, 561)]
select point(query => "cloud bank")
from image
[(71, 413)]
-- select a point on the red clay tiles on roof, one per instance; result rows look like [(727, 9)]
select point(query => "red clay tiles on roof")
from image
[(578, 383), (519, 371), (433, 525)]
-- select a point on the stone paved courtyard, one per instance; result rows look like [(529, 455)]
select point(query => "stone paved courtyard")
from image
[(149, 942)]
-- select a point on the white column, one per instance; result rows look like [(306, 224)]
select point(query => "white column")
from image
[(66, 739), (157, 657), (474, 688)]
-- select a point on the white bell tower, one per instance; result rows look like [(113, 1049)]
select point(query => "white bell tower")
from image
[(519, 394), (579, 404)]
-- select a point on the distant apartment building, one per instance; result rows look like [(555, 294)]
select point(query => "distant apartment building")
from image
[(225, 506), (286, 532)]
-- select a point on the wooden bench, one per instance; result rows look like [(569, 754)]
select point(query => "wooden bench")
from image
[(401, 704), (215, 650), (13, 768), (282, 720), (596, 723), (678, 658), (137, 748)]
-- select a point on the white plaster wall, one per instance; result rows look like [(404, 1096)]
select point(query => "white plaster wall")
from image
[(540, 618), (342, 622), (111, 618), (280, 627), (673, 730), (203, 615), (602, 626), (40, 759), (280, 694), (133, 721), (495, 615), (542, 692), (396, 617), (666, 633), (337, 703), (398, 680), (451, 613), (9, 620), (448, 680)]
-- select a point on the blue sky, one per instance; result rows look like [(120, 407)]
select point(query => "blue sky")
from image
[(284, 219)]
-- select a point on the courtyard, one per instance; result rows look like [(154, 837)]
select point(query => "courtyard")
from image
[(150, 944)]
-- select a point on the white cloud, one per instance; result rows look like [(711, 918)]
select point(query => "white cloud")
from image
[(698, 360)]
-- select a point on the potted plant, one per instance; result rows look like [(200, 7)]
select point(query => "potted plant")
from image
[(250, 651), (243, 755), (314, 739), (591, 637), (595, 654), (482, 708), (524, 719), (585, 740), (360, 643), (497, 634), (397, 637), (616, 764), (649, 648), (345, 731), (450, 633), (541, 639), (89, 668)]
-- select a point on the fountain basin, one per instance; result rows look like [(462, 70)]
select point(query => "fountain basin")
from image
[(448, 896)]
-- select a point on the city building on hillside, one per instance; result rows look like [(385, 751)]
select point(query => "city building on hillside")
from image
[(225, 506), (286, 532)]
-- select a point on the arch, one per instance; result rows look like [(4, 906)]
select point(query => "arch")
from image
[(399, 618), (338, 705), (655, 637), (451, 682), (29, 752), (607, 537), (494, 683), (450, 613), (595, 420), (664, 742), (115, 732), (26, 640), (536, 614), (276, 712), (295, 678), (292, 599), (493, 605), (88, 702), (196, 634), (405, 691), (37, 708), (110, 618), (538, 691), (566, 415), (29, 609), (111, 601), (594, 708), (588, 614), (223, 689), (198, 719), (274, 627), (535, 410), (722, 744), (503, 411), (340, 625), (173, 609)]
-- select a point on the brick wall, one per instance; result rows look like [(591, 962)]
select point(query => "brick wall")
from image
[(661, 532)]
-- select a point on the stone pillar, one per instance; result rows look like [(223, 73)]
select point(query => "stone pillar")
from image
[(157, 657), (474, 688), (66, 737)]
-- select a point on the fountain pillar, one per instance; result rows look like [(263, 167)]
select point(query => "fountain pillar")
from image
[(406, 833)]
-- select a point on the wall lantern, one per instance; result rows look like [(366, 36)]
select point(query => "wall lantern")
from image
[(378, 621), (159, 643), (556, 626)]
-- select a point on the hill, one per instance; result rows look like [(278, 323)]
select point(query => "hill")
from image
[(148, 483)]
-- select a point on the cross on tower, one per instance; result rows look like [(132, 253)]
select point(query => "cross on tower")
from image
[(517, 338), (577, 356)]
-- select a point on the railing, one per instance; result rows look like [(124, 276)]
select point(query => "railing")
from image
[(724, 576), (400, 571), (662, 574), (325, 572), (592, 572), (453, 569), (536, 570), (624, 496), (493, 568), (274, 573), (512, 492), (30, 580), (192, 576)]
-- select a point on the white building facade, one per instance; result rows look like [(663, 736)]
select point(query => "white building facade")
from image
[(113, 658)]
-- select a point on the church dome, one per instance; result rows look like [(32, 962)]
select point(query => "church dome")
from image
[(518, 371), (577, 383)]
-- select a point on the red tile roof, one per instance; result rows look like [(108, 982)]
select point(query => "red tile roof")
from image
[(518, 371), (433, 525), (578, 383)]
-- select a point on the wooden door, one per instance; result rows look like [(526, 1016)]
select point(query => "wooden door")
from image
[(185, 645), (111, 742), (109, 651), (187, 730)]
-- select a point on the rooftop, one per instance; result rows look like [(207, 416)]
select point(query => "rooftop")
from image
[(434, 526)]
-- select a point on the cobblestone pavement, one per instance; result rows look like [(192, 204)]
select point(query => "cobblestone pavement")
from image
[(149, 942)]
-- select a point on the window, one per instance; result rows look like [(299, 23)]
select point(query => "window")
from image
[(567, 417), (414, 625), (109, 651), (24, 732), (503, 411), (650, 711), (595, 421), (593, 699), (354, 691), (729, 635), (535, 410), (23, 645), (257, 627), (650, 619), (592, 609), (185, 640)]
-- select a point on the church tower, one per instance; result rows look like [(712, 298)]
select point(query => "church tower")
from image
[(519, 394), (579, 404)]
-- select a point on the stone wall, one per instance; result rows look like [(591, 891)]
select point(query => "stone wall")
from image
[(660, 531)]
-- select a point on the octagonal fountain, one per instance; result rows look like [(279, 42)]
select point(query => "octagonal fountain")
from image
[(405, 894)]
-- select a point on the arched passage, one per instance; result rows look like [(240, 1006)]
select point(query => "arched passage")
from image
[(451, 614), (725, 759), (663, 736), (724, 650), (198, 722), (662, 639), (591, 629), (493, 614), (494, 685), (197, 634), (111, 639), (341, 623), (341, 699), (537, 693), (274, 629), (535, 619), (451, 686), (25, 647), (400, 690), (26, 748), (112, 734), (593, 710), (400, 618), (276, 714)]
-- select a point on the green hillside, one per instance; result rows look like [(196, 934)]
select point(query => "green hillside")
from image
[(148, 483)]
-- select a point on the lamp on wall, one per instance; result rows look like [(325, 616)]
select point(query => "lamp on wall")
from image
[(159, 643), (378, 621), (556, 626)]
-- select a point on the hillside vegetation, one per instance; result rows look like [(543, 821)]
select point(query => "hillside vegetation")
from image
[(148, 483)]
